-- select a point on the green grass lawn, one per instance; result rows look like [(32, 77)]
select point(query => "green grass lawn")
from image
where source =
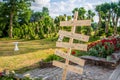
[(30, 53)]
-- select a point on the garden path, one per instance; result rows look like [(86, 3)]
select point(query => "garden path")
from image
[(116, 74), (90, 73)]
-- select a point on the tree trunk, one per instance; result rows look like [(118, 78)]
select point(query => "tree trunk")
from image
[(99, 24), (115, 29), (115, 25), (11, 25), (106, 27), (107, 23)]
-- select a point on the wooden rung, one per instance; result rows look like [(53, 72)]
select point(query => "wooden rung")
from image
[(75, 69), (76, 23), (74, 36), (70, 57), (82, 47)]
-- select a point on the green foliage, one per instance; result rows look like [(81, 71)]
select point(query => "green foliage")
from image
[(81, 13), (45, 11), (36, 30), (118, 30), (93, 52), (100, 50), (94, 38), (13, 9), (90, 15), (52, 57), (28, 24), (36, 16), (109, 14), (11, 77), (80, 53)]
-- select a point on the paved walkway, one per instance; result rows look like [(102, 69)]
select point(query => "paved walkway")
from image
[(116, 74), (90, 73)]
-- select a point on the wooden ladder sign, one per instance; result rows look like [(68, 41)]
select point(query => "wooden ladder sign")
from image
[(72, 35)]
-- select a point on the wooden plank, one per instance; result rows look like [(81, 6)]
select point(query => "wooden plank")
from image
[(74, 35), (76, 23), (69, 50), (75, 69), (70, 57), (82, 47)]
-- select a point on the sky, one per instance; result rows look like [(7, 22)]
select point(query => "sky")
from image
[(60, 7)]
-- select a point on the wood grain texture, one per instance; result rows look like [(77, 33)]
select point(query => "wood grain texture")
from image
[(75, 69), (69, 50), (74, 35), (74, 59), (76, 23), (76, 46)]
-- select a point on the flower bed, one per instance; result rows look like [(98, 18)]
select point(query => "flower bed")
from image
[(104, 47)]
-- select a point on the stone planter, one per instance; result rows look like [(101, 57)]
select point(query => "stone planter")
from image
[(108, 58), (45, 64), (104, 62), (49, 64)]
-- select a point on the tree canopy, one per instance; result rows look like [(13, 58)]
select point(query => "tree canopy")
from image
[(17, 20)]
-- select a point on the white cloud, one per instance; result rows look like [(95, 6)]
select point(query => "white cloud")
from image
[(96, 18), (38, 4), (114, 0), (61, 7), (88, 6), (58, 7)]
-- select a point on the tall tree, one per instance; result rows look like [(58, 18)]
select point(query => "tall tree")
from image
[(109, 13), (14, 7), (36, 16), (90, 15), (69, 18), (115, 15), (45, 11), (24, 17), (106, 11), (98, 9), (81, 13)]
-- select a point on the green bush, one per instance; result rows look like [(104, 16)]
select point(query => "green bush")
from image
[(52, 57), (100, 50)]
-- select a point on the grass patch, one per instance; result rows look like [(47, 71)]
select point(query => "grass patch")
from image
[(30, 53)]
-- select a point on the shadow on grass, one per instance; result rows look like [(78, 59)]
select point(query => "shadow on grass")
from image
[(29, 50), (28, 46), (27, 68)]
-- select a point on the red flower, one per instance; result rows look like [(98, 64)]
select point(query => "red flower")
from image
[(1, 74), (103, 41), (73, 52), (105, 47)]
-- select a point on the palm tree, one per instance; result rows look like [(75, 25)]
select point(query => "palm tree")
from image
[(90, 15), (115, 15), (106, 10), (81, 12), (98, 9)]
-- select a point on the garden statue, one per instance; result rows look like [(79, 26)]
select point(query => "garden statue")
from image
[(16, 46)]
